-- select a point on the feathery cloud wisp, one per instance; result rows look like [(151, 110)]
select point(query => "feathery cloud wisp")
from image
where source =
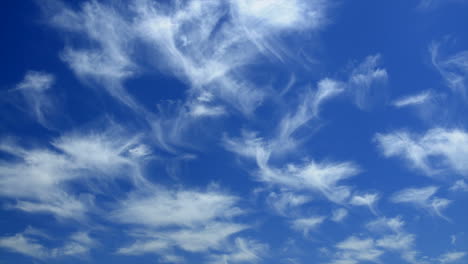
[(423, 198), (434, 152)]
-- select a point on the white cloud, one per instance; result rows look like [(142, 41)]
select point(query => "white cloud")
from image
[(78, 243), (23, 245), (366, 80), (339, 214), (459, 185), (36, 82), (284, 141), (415, 195), (211, 235), (393, 238), (160, 207), (384, 224), (144, 247), (163, 219), (243, 251), (412, 100), (39, 178), (367, 199), (285, 202), (453, 68), (355, 243), (61, 205), (212, 55), (34, 88), (26, 243), (423, 198), (34, 232), (396, 242), (356, 250), (280, 14), (307, 110), (318, 177), (321, 177), (307, 224), (107, 58), (451, 257), (389, 237), (437, 151), (177, 123), (453, 239), (199, 110), (194, 41)]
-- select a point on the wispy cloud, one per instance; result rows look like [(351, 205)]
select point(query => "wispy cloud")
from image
[(285, 202), (459, 185), (24, 245), (207, 44), (451, 257), (227, 62), (339, 215), (355, 250), (305, 225), (35, 90), (39, 178), (422, 198), (107, 60), (434, 152), (396, 242), (413, 100), (366, 81), (367, 199), (386, 236), (384, 224), (194, 221), (29, 244), (243, 251), (201, 239), (160, 207), (322, 177), (453, 68), (308, 109)]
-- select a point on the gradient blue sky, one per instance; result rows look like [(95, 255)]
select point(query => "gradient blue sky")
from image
[(236, 131)]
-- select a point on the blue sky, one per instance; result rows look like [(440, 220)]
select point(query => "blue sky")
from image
[(206, 131)]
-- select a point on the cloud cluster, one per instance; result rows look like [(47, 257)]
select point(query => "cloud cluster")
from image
[(207, 44), (221, 52), (387, 236), (321, 177)]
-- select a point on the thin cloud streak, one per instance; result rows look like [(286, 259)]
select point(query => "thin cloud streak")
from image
[(413, 100)]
